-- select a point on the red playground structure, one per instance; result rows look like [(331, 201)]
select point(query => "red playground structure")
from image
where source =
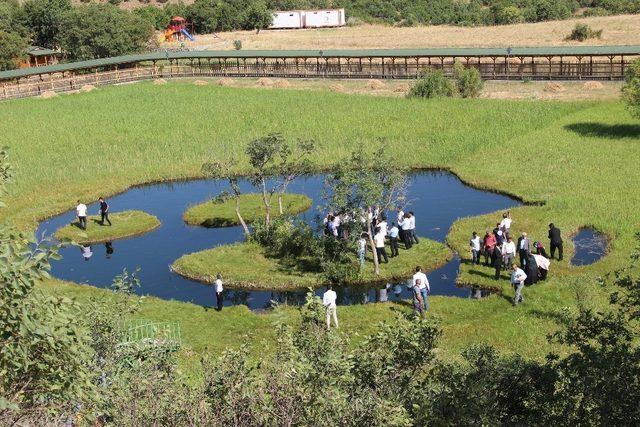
[(177, 30)]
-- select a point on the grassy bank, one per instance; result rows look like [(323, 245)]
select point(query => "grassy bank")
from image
[(249, 266), (579, 158), (223, 214), (124, 224)]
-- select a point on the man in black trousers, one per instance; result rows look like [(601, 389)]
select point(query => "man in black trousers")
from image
[(556, 241), (104, 211)]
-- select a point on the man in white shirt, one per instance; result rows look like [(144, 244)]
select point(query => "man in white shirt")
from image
[(474, 243), (219, 289), (393, 240), (405, 226), (383, 225), (517, 280), (329, 301), (505, 224), (421, 286), (412, 228), (508, 252), (81, 213), (379, 241), (362, 248)]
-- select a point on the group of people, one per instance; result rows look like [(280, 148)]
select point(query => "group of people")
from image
[(81, 213), (500, 252), (402, 230)]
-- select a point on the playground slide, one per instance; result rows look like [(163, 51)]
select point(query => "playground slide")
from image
[(186, 33)]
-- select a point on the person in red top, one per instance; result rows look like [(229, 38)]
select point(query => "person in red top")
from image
[(488, 243)]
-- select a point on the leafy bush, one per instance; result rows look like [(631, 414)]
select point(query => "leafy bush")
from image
[(582, 32), (432, 84), (12, 49), (631, 88), (468, 80), (509, 15), (237, 44)]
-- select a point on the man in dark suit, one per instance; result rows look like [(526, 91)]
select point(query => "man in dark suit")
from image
[(556, 241)]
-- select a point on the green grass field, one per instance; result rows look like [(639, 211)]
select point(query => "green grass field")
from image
[(223, 214), (578, 159), (248, 266), (125, 224)]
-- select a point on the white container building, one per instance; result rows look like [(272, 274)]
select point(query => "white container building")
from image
[(287, 19), (324, 18)]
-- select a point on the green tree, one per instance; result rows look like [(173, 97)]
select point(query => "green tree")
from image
[(257, 17), (367, 179), (468, 80), (203, 15), (508, 15), (12, 18), (102, 30), (631, 88), (44, 19), (12, 50), (44, 349)]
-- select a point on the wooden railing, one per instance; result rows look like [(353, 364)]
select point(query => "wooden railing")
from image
[(538, 68)]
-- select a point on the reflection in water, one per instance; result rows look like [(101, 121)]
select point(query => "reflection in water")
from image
[(108, 249), (86, 252), (590, 246), (437, 198)]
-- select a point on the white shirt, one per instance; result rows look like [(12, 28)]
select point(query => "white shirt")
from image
[(383, 227), (218, 284), (508, 248), (518, 276), (329, 299), (405, 224), (393, 232), (424, 282), (412, 223), (505, 223), (379, 239), (400, 215), (542, 262), (362, 245), (81, 209), (524, 243), (475, 243)]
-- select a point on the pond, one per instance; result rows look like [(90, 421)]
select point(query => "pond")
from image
[(437, 199), (590, 246)]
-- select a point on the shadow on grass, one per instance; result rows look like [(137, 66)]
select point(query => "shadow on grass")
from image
[(602, 130)]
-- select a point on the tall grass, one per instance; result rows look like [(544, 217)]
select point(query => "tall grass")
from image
[(580, 159)]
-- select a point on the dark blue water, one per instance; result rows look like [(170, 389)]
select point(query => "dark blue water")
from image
[(437, 199), (589, 245)]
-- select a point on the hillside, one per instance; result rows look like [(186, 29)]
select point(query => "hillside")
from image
[(616, 30)]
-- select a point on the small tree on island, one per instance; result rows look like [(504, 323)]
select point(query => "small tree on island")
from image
[(226, 169), (365, 180)]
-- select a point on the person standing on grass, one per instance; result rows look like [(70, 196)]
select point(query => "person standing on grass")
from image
[(393, 240), (556, 241), (81, 213), (488, 243), (362, 248), (424, 289), (496, 260), (517, 280), (379, 240), (104, 211), (219, 289), (405, 226), (412, 228), (399, 220), (418, 302), (508, 252), (497, 232), (329, 301), (505, 224), (474, 243), (540, 250), (524, 249)]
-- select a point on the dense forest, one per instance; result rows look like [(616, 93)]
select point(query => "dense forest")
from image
[(94, 30)]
